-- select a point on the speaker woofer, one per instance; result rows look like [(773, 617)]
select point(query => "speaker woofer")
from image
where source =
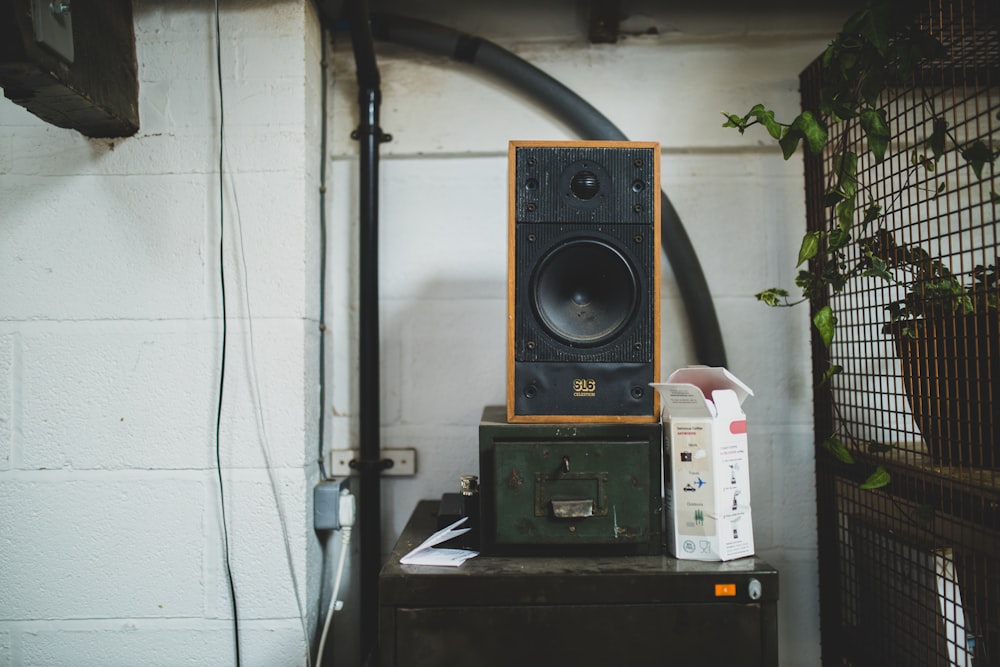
[(584, 292)]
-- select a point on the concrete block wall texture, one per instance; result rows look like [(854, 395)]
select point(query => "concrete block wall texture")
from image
[(110, 539), (111, 547)]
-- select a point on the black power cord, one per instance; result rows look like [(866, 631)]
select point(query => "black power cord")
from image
[(222, 363)]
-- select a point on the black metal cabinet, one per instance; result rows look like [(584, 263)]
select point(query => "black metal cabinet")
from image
[(574, 610)]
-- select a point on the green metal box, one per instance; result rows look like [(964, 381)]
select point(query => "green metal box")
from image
[(588, 488)]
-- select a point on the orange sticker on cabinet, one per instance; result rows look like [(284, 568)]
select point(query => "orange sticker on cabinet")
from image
[(725, 590)]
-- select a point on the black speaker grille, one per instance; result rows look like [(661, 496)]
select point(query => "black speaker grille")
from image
[(585, 184), (635, 243)]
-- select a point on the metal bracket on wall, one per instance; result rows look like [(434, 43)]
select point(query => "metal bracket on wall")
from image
[(394, 462)]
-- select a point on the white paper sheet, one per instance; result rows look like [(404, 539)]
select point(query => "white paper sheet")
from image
[(426, 554)]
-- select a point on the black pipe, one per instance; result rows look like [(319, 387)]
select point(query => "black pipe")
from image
[(369, 135), (590, 124)]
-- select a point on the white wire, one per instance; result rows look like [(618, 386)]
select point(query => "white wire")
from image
[(345, 536), (255, 391)]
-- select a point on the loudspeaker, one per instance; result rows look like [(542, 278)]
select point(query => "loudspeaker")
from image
[(583, 281)]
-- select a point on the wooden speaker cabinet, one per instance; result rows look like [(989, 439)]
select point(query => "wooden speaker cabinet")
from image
[(583, 329)]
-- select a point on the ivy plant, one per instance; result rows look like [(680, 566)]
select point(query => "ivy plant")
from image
[(878, 48)]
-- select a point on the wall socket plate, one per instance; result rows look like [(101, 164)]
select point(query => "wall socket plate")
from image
[(404, 462)]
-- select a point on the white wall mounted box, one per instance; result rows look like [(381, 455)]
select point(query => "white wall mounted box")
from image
[(706, 465)]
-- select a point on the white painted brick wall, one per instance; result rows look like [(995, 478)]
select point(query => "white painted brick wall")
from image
[(111, 549), (110, 541)]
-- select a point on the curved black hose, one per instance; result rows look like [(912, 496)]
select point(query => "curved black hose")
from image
[(589, 123)]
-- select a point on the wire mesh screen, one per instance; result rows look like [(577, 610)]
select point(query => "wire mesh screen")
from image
[(906, 424)]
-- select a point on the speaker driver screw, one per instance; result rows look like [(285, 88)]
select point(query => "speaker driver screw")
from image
[(637, 238), (637, 208), (638, 162), (637, 392), (531, 238), (637, 346), (530, 391), (531, 207), (530, 345)]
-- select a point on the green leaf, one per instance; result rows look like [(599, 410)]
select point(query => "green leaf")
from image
[(825, 322), (805, 126), (830, 372), (838, 239), (845, 214), (978, 154), (765, 117), (936, 141), (874, 27), (732, 120), (812, 130), (846, 167), (878, 269), (772, 296), (836, 447), (877, 479), (760, 114), (812, 285), (832, 198), (965, 305), (874, 123), (789, 142), (809, 247), (871, 214)]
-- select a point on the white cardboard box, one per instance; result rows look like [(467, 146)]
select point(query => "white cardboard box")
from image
[(706, 465)]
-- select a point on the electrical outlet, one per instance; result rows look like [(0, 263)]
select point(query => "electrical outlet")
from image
[(404, 462), (327, 497)]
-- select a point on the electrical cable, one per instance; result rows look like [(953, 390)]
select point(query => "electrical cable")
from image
[(222, 362), (324, 68), (590, 124), (345, 538), (347, 512), (262, 429), (264, 440), (321, 440)]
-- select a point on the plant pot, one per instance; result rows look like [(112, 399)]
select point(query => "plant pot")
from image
[(951, 374)]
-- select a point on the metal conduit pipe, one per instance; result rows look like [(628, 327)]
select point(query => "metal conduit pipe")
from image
[(369, 135), (590, 124)]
